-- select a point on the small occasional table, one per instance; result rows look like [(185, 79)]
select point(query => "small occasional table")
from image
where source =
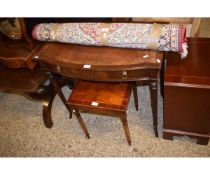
[(110, 99)]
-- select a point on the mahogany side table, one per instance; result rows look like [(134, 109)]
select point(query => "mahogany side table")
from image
[(105, 64)]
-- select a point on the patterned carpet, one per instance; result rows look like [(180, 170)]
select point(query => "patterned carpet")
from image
[(24, 135)]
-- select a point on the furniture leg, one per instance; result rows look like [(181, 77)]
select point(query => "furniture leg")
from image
[(47, 95), (153, 95), (161, 75), (55, 82), (125, 127), (202, 141), (82, 124), (135, 94), (70, 84), (47, 106), (167, 136), (71, 113)]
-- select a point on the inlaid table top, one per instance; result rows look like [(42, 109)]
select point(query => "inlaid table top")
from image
[(114, 96)]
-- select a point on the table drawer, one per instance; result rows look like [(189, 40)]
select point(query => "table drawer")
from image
[(101, 75), (122, 75)]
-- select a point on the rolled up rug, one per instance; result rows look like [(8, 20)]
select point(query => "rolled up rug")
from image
[(163, 37)]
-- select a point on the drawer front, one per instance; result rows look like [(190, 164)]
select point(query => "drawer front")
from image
[(129, 75), (103, 75), (191, 112)]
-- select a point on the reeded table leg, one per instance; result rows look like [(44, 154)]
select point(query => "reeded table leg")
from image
[(135, 94), (153, 94)]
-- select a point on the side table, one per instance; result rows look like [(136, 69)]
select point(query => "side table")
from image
[(105, 64), (110, 99)]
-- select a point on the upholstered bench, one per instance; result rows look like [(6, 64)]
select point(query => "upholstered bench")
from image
[(101, 98)]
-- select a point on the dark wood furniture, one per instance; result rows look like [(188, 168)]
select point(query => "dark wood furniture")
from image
[(18, 53), (187, 93), (20, 74), (102, 98), (105, 64)]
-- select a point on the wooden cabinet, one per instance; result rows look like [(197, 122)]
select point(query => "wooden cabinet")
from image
[(187, 93)]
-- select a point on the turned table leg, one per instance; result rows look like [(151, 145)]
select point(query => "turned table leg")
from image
[(135, 94), (153, 94)]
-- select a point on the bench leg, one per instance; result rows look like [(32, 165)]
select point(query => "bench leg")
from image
[(82, 124), (126, 129), (135, 95)]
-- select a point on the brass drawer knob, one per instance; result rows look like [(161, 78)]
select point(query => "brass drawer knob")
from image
[(124, 75)]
